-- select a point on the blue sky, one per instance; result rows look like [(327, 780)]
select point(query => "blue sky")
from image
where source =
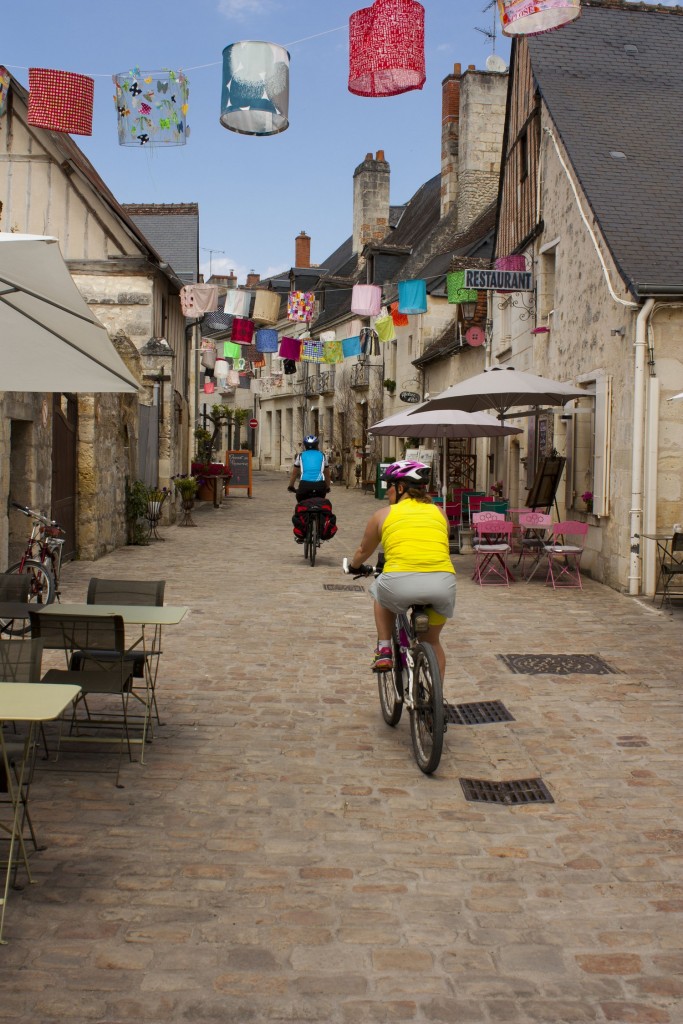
[(255, 194)]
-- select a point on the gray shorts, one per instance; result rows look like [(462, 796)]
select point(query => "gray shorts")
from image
[(397, 591)]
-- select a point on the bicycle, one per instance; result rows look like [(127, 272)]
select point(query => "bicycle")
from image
[(312, 536), (42, 559), (414, 681)]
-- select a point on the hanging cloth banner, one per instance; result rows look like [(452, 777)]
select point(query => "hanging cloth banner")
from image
[(60, 101), (385, 327), (242, 331), (412, 297), (4, 86), (300, 306), (233, 378), (266, 306), (237, 302), (351, 347), (333, 351), (387, 48), (312, 351), (266, 340), (289, 365), (151, 107), (290, 349), (400, 319), (231, 350), (369, 342), (366, 299), (197, 299), (455, 287)]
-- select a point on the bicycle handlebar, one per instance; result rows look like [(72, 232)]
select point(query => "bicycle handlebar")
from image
[(357, 571), (38, 516)]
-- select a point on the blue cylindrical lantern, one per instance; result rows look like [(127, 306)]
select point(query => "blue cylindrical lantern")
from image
[(266, 340), (151, 107), (255, 97)]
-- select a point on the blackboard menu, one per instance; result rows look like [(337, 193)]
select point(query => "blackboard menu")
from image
[(239, 463)]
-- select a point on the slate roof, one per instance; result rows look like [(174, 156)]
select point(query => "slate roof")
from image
[(173, 230), (612, 82)]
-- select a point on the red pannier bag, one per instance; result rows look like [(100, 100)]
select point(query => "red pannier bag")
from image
[(328, 520)]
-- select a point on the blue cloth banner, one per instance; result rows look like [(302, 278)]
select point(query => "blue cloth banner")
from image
[(412, 297), (351, 346)]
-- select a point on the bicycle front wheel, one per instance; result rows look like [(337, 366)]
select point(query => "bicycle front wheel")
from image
[(426, 717), (390, 686), (315, 529), (42, 591)]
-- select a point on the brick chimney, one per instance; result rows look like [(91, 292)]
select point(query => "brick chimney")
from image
[(370, 200), (252, 279), (450, 135), (302, 250)]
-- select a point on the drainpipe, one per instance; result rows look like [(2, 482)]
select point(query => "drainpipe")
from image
[(638, 434)]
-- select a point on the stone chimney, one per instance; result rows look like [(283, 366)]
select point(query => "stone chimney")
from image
[(450, 130), (470, 176), (302, 250), (231, 279), (370, 201), (252, 279)]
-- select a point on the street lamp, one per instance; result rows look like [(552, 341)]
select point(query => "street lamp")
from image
[(468, 309)]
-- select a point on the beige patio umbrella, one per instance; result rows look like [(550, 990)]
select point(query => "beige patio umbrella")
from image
[(503, 388), (49, 338)]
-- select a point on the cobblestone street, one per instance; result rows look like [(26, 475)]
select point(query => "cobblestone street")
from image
[(280, 858)]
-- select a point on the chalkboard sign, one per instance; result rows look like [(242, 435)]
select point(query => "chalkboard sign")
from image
[(542, 494), (240, 467)]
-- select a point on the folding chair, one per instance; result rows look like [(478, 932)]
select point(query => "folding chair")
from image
[(564, 554), (672, 570), (533, 528), (134, 592), (465, 520), (97, 661), (497, 505), (20, 662), (14, 595), (491, 548)]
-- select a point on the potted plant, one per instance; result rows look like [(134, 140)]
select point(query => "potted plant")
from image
[(186, 487), (390, 385), (497, 489), (587, 497)]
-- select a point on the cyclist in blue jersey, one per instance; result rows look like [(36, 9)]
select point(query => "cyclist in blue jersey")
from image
[(312, 470)]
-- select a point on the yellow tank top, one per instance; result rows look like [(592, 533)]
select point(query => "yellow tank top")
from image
[(415, 538)]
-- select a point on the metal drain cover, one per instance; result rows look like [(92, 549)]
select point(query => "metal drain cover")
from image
[(518, 791), (343, 586), (483, 712), (556, 664)]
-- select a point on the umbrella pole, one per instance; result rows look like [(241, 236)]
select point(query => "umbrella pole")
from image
[(444, 469)]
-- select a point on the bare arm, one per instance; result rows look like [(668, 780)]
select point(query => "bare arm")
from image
[(372, 537), (293, 476)]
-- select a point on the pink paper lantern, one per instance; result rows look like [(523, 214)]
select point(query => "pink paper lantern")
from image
[(516, 264), (387, 48), (60, 101)]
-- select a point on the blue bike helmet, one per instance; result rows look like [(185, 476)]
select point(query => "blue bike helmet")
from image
[(310, 441)]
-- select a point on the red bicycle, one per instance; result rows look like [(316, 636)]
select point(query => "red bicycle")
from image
[(42, 561)]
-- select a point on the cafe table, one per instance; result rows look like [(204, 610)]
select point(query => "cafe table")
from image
[(664, 542), (148, 617), (32, 703)]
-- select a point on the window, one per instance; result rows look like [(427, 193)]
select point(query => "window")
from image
[(588, 446), (546, 285)]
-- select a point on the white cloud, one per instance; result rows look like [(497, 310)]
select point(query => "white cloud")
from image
[(239, 10)]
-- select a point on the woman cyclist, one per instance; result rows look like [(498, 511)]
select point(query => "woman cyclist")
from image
[(418, 568)]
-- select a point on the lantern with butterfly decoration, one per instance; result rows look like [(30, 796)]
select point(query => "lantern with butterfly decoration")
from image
[(151, 107)]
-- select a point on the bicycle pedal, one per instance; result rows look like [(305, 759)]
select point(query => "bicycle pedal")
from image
[(421, 622)]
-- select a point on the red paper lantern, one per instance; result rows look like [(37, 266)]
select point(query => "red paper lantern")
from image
[(387, 48), (60, 101)]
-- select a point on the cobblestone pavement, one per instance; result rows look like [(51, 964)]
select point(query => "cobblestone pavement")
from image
[(280, 857)]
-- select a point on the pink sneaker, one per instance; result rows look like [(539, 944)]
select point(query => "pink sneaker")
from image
[(383, 661)]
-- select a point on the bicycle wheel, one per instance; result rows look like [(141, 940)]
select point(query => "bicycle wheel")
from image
[(426, 718), (390, 686), (307, 537), (42, 592), (313, 547)]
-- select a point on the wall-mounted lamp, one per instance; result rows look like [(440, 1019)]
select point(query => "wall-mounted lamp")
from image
[(468, 310), (621, 331)]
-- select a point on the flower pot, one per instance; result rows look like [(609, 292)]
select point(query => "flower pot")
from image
[(589, 506), (205, 491), (187, 504)]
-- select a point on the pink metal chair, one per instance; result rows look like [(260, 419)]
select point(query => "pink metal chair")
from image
[(491, 548), (533, 528), (564, 554)]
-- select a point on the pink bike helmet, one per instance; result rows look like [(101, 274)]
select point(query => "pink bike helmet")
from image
[(416, 474)]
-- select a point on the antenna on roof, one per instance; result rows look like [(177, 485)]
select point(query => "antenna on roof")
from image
[(491, 33)]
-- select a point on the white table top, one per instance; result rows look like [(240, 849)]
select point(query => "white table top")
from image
[(133, 614), (34, 702)]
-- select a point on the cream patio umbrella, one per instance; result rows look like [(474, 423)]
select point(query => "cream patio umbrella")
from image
[(443, 423), (49, 338), (503, 388)]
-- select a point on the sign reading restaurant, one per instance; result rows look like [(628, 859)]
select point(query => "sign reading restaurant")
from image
[(500, 280)]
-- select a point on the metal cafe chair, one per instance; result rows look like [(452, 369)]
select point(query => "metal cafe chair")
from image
[(491, 549), (671, 570), (533, 527), (564, 554)]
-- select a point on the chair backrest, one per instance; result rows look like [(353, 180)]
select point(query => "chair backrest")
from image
[(497, 527), (497, 505), (20, 660), (138, 592), (476, 500), (677, 542), (466, 495), (570, 532), (79, 632), (534, 519), (486, 517), (14, 587)]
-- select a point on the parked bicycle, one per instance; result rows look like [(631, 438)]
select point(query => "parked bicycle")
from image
[(414, 681), (42, 561)]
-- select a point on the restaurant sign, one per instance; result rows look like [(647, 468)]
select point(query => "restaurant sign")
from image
[(500, 280), (409, 396)]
